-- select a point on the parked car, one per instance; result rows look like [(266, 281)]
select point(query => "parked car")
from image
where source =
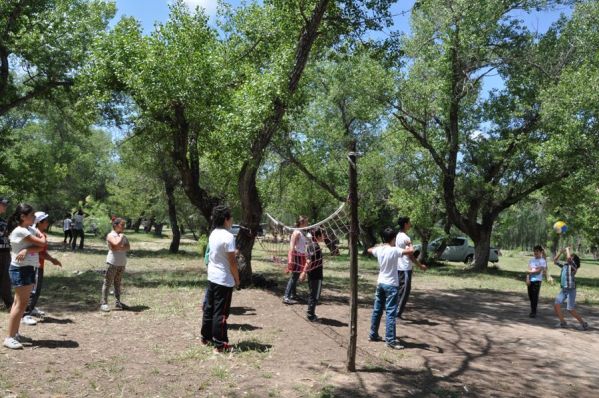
[(458, 249)]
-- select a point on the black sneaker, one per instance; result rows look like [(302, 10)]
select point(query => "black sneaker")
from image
[(585, 326), (395, 346), (224, 348), (312, 318), (121, 306), (374, 338), (532, 315)]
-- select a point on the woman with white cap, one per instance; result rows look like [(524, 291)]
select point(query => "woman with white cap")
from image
[(42, 223)]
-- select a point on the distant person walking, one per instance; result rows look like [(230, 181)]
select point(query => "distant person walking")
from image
[(77, 230), (116, 260), (66, 227), (5, 291)]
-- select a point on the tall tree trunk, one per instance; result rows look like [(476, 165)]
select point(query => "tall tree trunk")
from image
[(169, 187), (251, 205), (482, 245)]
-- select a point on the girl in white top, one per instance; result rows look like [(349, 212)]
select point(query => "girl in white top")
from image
[(26, 244), (296, 259), (118, 245)]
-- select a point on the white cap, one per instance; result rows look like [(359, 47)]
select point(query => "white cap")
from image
[(40, 216)]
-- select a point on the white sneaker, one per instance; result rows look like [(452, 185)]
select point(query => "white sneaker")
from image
[(104, 308), (23, 339), (28, 320), (12, 343), (36, 312)]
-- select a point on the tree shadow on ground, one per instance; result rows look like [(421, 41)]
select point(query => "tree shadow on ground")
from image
[(464, 352), (55, 343), (249, 345), (331, 322), (243, 311), (243, 327), (60, 321), (81, 292)]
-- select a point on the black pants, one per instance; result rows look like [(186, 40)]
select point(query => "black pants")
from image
[(315, 286), (37, 290), (533, 294), (5, 290), (68, 234), (217, 306), (405, 287), (78, 233)]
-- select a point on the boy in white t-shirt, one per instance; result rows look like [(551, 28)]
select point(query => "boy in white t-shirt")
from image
[(404, 265), (385, 298), (537, 266), (223, 276)]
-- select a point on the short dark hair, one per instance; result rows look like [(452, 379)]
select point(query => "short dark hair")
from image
[(21, 210), (402, 222), (220, 213), (317, 232), (117, 221), (537, 248), (388, 234), (576, 260)]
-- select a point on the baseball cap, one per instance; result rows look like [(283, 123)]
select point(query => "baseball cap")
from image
[(3, 200), (40, 216)]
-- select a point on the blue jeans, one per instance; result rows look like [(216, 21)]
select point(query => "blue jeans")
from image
[(385, 299)]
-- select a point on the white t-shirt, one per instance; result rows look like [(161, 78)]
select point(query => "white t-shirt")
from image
[(402, 240), (387, 256), (300, 243), (117, 258), (221, 243), (18, 243), (78, 221), (537, 263), (66, 225)]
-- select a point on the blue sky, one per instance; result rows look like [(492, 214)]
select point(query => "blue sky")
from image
[(150, 11)]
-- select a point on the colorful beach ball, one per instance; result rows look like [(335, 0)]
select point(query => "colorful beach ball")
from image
[(560, 227)]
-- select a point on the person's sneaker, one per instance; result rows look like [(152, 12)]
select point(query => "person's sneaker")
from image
[(375, 338), (37, 312), (562, 325), (532, 315), (104, 308), (121, 306), (224, 348), (287, 300), (23, 339), (395, 346), (12, 343), (585, 326), (312, 318), (28, 320), (204, 341)]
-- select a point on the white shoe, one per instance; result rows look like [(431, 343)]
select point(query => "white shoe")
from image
[(36, 312), (12, 343), (23, 339), (28, 320), (104, 308)]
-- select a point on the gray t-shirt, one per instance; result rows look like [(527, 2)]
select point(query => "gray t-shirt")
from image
[(117, 257), (18, 243)]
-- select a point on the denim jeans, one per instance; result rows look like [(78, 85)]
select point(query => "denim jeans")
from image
[(385, 299)]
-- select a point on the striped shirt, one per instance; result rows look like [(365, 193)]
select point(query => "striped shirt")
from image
[(567, 275)]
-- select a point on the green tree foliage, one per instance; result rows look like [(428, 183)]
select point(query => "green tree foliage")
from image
[(43, 43), (493, 151)]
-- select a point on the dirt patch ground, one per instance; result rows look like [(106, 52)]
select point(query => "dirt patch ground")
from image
[(466, 343)]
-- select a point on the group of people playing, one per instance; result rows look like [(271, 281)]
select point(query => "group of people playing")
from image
[(537, 268), (24, 249), (23, 252)]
